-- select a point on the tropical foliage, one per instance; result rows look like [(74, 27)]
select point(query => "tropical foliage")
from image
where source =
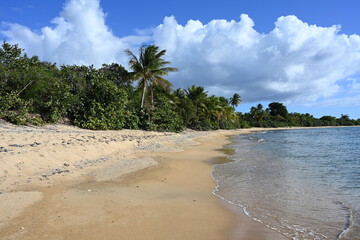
[(37, 92), (277, 115), (149, 68), (235, 100)]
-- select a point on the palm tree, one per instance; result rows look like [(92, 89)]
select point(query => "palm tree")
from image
[(148, 69), (196, 93), (221, 110), (214, 108), (179, 93), (235, 100)]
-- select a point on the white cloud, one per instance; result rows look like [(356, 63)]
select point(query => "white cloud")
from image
[(353, 85), (295, 62), (78, 36)]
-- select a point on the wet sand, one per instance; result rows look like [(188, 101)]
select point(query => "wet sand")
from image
[(156, 186)]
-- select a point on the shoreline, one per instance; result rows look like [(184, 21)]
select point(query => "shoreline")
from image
[(44, 166), (256, 205), (108, 198)]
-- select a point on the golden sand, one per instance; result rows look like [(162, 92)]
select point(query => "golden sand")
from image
[(61, 182)]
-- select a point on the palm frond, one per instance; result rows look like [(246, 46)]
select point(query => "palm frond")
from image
[(149, 68)]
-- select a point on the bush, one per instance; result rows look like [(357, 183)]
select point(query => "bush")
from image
[(102, 106), (163, 117), (18, 111)]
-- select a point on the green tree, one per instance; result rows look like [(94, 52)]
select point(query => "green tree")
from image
[(345, 120), (101, 104), (257, 114), (328, 120), (164, 117), (196, 93), (235, 100), (9, 54), (198, 96), (149, 68), (116, 73), (276, 108), (184, 107)]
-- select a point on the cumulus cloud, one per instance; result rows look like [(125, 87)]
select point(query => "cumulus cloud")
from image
[(295, 62), (78, 36)]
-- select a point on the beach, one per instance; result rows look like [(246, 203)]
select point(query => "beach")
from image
[(62, 182)]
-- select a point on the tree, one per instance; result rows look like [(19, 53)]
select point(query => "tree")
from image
[(149, 68), (276, 108), (116, 73), (196, 93), (101, 105), (9, 53), (328, 120), (257, 114), (196, 96), (179, 93), (164, 117), (235, 100), (345, 120)]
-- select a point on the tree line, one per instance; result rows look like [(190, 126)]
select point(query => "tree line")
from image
[(111, 97), (277, 115)]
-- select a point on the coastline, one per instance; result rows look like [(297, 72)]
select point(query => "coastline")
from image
[(69, 183)]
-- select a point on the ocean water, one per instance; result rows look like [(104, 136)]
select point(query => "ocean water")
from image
[(303, 183)]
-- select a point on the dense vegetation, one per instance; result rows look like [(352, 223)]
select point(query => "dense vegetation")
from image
[(277, 115), (38, 92)]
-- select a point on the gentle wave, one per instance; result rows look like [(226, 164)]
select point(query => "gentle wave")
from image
[(295, 182), (244, 210)]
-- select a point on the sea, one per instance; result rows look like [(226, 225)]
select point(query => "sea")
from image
[(302, 183)]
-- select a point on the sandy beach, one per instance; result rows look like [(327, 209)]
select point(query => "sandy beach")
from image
[(62, 182)]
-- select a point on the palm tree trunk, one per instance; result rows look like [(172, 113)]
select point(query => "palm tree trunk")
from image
[(143, 95), (152, 96)]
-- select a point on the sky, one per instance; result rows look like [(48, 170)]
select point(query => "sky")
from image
[(305, 54)]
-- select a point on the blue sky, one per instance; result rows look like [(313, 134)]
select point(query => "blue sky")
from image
[(305, 60)]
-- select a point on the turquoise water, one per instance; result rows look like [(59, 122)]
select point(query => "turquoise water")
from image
[(303, 183)]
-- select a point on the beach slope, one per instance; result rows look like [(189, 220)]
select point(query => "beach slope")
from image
[(61, 182)]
